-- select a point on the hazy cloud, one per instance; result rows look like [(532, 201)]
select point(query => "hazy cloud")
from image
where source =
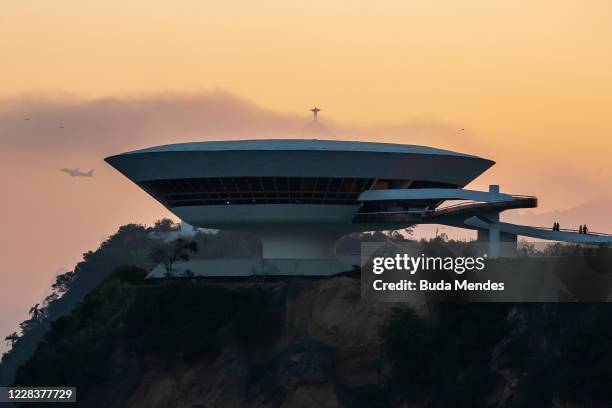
[(108, 125)]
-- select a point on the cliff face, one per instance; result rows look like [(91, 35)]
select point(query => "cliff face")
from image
[(308, 342), (125, 341), (330, 341)]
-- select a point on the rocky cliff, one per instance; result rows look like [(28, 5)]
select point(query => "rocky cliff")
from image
[(329, 340), (315, 342)]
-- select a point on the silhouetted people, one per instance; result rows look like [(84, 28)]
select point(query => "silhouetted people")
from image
[(585, 230), (556, 226)]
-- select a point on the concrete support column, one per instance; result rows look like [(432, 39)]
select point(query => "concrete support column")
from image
[(494, 240), (296, 243), (494, 232), (482, 240), (508, 245)]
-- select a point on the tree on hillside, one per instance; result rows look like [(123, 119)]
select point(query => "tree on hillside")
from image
[(70, 288), (63, 282), (165, 225), (35, 312), (172, 252), (399, 235), (11, 339)]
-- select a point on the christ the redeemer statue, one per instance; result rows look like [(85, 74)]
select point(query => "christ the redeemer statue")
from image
[(315, 110)]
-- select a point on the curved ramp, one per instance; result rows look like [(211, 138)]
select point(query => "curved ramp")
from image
[(486, 203), (544, 233), (432, 194), (473, 208)]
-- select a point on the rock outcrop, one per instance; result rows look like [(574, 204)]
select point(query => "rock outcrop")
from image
[(330, 340)]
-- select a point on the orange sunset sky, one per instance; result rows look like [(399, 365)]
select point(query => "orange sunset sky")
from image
[(529, 81)]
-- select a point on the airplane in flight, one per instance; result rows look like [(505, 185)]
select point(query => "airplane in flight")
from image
[(78, 173)]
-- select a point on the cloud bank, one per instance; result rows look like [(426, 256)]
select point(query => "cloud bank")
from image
[(109, 125)]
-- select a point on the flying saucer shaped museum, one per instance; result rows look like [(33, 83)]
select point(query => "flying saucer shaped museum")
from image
[(298, 196)]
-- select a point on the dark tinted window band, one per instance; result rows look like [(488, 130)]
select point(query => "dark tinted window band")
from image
[(270, 190)]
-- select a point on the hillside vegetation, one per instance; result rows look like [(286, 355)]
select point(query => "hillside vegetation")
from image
[(187, 342), (181, 343)]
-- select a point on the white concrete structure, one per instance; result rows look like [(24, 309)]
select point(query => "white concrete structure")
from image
[(300, 196)]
